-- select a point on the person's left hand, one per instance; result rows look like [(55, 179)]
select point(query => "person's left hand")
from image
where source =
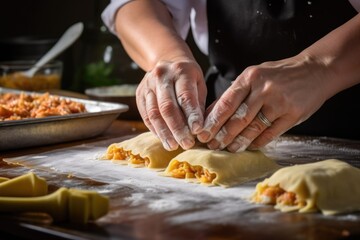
[(264, 102)]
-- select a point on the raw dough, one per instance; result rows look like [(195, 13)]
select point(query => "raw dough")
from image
[(26, 185), (331, 186), (144, 149), (227, 169)]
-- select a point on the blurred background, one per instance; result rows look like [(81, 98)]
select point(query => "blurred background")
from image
[(31, 27)]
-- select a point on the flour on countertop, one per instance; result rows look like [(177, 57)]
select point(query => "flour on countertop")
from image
[(193, 202)]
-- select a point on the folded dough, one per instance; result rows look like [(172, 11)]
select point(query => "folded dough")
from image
[(222, 168), (143, 150), (331, 186)]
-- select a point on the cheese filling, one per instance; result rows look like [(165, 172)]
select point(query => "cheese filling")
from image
[(115, 153), (186, 171), (274, 195)]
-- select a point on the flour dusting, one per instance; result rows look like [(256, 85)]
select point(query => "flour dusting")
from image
[(141, 188)]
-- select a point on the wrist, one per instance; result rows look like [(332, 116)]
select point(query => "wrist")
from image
[(321, 69)]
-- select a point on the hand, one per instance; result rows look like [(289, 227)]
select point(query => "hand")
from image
[(286, 92), (171, 101)]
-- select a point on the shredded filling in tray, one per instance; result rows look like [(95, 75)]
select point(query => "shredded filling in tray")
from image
[(15, 106)]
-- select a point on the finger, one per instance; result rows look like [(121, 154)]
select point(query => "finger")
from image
[(141, 105), (251, 132), (191, 98), (158, 124), (231, 128), (241, 119), (239, 144), (225, 106), (278, 127), (172, 114)]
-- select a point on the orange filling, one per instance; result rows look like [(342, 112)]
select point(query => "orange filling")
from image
[(276, 195), (116, 153), (185, 170), (22, 106)]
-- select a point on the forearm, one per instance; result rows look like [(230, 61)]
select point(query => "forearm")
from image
[(338, 54), (147, 34)]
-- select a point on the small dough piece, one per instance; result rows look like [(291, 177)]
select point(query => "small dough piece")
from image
[(222, 168), (73, 205), (4, 179), (331, 186), (26, 185), (143, 150)]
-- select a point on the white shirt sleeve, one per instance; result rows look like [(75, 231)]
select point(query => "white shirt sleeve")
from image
[(185, 13), (190, 13), (108, 15), (180, 11)]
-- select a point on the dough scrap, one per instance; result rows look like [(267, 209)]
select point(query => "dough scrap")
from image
[(331, 186), (220, 167), (143, 150)]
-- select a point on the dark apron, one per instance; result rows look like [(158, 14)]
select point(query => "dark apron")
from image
[(248, 32)]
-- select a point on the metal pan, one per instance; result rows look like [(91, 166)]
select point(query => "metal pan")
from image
[(57, 129)]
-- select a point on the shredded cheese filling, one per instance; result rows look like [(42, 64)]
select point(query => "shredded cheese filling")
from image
[(185, 170), (116, 153), (275, 195), (23, 106)]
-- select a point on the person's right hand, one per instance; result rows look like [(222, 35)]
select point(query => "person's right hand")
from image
[(171, 101)]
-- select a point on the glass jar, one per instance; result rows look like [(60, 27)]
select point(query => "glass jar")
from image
[(46, 77)]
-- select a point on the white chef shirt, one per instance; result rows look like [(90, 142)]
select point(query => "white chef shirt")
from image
[(186, 14)]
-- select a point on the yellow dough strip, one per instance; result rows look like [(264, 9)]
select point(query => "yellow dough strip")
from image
[(27, 185), (75, 206), (4, 179), (28, 193)]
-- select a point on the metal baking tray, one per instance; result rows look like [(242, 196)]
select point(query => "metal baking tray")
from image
[(57, 129)]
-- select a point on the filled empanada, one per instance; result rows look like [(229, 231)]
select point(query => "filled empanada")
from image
[(220, 167), (143, 150), (331, 186)]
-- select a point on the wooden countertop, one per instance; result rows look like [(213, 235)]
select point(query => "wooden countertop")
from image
[(137, 222)]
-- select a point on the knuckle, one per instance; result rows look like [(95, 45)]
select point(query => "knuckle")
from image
[(166, 107), (158, 71), (222, 134), (152, 114), (225, 104), (255, 127), (241, 121), (253, 72), (185, 98), (178, 66), (180, 132)]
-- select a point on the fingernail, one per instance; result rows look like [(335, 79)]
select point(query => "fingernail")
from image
[(204, 136), (195, 128), (237, 147), (170, 145), (187, 143)]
